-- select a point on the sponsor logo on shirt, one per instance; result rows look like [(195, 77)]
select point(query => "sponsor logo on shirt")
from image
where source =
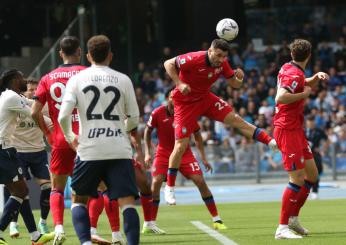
[(105, 132), (294, 85)]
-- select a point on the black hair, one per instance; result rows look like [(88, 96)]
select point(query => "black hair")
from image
[(69, 45), (7, 76), (220, 44)]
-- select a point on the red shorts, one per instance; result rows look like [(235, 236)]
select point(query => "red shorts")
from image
[(160, 166), (62, 161), (294, 147), (186, 114)]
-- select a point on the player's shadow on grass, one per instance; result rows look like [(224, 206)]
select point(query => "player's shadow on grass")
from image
[(172, 242), (328, 233)]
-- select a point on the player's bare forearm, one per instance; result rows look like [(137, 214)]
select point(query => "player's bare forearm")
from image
[(314, 80), (36, 114), (234, 82), (172, 71), (147, 140), (284, 97), (199, 145)]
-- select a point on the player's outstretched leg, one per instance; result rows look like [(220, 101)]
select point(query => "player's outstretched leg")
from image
[(249, 130), (208, 199), (174, 163)]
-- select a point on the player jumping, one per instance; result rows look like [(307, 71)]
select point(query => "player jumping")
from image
[(193, 74)]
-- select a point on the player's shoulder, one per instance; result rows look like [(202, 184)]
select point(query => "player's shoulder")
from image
[(159, 110), (292, 70), (10, 97)]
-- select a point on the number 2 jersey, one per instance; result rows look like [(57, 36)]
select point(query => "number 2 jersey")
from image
[(290, 116), (163, 122), (51, 90), (104, 99)]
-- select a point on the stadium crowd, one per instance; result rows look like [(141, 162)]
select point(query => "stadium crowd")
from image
[(255, 100)]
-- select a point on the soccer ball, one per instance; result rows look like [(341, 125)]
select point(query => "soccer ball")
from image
[(227, 29)]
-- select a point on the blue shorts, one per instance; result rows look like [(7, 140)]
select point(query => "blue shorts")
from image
[(34, 164), (118, 175), (10, 171)]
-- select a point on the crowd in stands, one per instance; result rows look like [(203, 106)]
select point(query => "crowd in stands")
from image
[(255, 101)]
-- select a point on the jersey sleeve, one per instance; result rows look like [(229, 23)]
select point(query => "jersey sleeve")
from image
[(41, 92), (289, 83), (17, 104), (131, 106), (65, 114), (185, 62), (228, 72), (152, 122)]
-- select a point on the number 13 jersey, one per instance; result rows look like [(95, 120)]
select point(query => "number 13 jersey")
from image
[(51, 90), (104, 99)]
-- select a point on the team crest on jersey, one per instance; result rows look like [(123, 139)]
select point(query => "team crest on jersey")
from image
[(302, 159), (183, 130), (210, 74)]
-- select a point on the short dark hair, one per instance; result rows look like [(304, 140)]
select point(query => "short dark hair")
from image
[(99, 47), (69, 45), (220, 44), (7, 76), (31, 80), (300, 49)]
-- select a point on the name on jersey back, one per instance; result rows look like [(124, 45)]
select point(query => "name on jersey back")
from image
[(105, 132)]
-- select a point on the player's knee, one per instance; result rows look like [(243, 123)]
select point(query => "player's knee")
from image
[(21, 192), (199, 181)]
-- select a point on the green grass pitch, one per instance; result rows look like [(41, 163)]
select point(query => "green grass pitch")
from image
[(248, 223)]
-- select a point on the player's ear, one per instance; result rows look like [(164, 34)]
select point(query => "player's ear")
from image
[(110, 57), (61, 54), (89, 58), (79, 52)]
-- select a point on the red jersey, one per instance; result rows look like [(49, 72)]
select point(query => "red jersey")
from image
[(51, 90), (195, 70), (163, 122), (290, 116)]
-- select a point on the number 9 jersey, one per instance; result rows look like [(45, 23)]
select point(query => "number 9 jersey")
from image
[(51, 90), (105, 99)]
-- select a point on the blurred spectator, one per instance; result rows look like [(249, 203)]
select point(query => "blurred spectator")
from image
[(245, 158)]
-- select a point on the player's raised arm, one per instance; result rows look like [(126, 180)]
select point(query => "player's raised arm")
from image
[(171, 67), (313, 81), (236, 81)]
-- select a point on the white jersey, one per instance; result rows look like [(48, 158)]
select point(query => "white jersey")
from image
[(28, 137), (11, 104), (104, 99)]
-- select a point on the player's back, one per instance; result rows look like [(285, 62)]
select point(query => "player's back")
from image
[(104, 99), (290, 116), (51, 90)]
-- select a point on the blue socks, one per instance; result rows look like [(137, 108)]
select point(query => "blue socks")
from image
[(131, 225), (44, 200), (27, 215), (11, 209), (81, 222)]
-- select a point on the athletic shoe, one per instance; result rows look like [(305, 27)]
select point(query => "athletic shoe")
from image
[(59, 238), (152, 229), (44, 238), (95, 238), (170, 195), (294, 224), (118, 239), (219, 225), (272, 144), (14, 230), (3, 242), (43, 228), (285, 233)]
